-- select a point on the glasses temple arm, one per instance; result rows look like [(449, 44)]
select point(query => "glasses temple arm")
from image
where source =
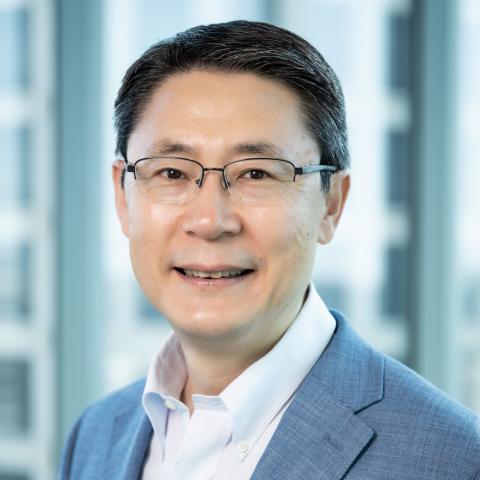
[(315, 168)]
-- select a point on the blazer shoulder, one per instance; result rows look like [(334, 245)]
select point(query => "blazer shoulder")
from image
[(404, 386), (428, 430), (397, 388), (97, 416), (84, 450), (117, 402), (419, 431)]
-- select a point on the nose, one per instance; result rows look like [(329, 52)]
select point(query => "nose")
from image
[(210, 215)]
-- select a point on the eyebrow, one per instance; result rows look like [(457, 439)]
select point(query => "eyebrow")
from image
[(262, 148), (265, 149), (168, 148)]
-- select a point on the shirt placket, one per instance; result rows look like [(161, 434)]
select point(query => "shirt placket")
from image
[(209, 431)]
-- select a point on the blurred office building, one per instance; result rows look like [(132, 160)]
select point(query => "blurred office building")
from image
[(405, 263), (27, 239)]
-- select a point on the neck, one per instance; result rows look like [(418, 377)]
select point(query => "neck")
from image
[(212, 365)]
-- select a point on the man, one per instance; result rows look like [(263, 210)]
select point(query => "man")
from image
[(234, 166)]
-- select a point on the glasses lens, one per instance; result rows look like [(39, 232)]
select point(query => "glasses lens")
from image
[(260, 180), (166, 179)]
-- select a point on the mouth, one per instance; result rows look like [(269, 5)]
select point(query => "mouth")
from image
[(213, 275)]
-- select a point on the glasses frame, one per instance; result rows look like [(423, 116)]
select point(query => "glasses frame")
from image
[(297, 170)]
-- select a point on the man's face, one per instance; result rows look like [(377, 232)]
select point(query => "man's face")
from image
[(215, 119)]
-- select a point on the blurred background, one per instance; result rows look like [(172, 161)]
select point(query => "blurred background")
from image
[(404, 267)]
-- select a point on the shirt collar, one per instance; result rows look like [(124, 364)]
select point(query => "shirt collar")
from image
[(259, 393)]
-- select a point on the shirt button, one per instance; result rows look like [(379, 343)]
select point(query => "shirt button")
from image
[(242, 446), (170, 405)]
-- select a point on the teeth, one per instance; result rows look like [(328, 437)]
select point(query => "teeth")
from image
[(225, 273)]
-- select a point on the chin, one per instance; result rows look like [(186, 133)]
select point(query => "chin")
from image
[(210, 325)]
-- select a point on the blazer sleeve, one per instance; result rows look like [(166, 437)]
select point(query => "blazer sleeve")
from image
[(68, 451)]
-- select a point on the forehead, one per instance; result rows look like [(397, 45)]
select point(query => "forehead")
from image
[(217, 110)]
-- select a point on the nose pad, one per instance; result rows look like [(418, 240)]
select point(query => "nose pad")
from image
[(226, 183), (199, 181)]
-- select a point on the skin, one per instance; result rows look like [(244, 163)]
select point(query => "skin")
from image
[(225, 325)]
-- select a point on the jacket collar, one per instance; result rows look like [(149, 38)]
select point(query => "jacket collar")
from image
[(350, 368), (319, 435)]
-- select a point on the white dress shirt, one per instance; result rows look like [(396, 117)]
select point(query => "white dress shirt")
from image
[(227, 434)]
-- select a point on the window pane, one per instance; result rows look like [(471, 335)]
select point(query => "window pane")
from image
[(14, 282), (14, 414), (8, 476), (399, 53), (13, 48), (398, 167), (395, 287), (14, 157)]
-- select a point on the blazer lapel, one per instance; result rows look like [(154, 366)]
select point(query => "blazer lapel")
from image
[(129, 439), (319, 436)]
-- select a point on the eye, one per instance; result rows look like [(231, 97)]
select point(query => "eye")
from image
[(256, 174), (172, 174)]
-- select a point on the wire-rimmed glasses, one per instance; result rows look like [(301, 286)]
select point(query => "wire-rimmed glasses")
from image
[(250, 180)]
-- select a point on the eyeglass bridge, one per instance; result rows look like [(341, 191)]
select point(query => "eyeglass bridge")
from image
[(200, 180)]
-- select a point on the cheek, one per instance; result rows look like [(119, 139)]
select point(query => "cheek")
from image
[(150, 227), (287, 231), (303, 210)]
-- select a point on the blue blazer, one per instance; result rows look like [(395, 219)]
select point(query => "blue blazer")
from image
[(358, 415)]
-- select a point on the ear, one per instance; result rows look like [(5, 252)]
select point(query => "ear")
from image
[(120, 200), (333, 208)]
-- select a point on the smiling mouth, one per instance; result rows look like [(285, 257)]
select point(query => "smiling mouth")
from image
[(223, 274)]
